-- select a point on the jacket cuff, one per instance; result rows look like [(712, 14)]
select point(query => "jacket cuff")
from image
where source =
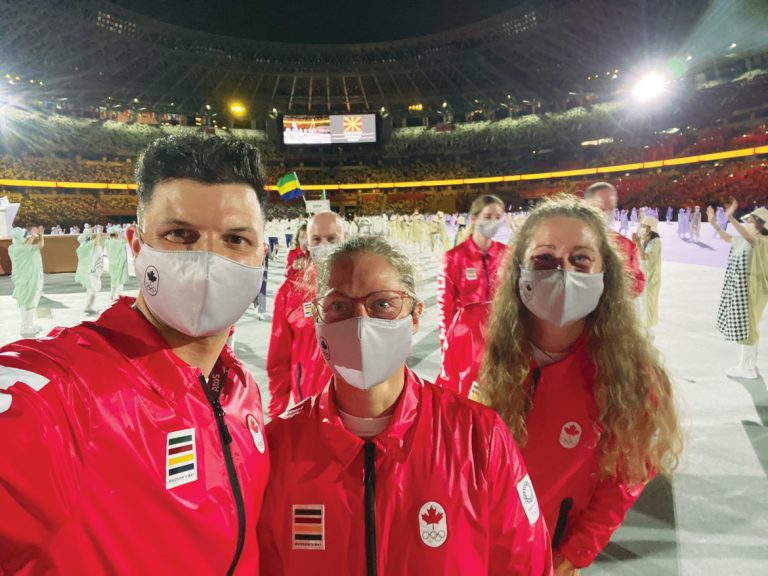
[(577, 553)]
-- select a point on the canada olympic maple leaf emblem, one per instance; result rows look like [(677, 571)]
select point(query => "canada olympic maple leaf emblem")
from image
[(151, 280), (433, 524), (432, 516), (570, 434), (572, 430)]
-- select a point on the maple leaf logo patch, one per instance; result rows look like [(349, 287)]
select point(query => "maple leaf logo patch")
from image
[(151, 280), (432, 516), (570, 435), (433, 525)]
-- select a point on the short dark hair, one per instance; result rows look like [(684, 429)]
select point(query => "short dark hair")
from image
[(207, 159), (589, 192)]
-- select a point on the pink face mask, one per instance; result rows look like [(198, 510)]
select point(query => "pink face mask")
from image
[(352, 348)]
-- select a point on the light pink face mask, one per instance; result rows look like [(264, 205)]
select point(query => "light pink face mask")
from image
[(560, 296), (365, 351)]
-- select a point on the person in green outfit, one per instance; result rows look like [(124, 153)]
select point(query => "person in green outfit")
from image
[(118, 260), (90, 264), (27, 275)]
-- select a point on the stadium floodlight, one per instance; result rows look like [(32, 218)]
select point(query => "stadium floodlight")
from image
[(649, 87), (238, 109)]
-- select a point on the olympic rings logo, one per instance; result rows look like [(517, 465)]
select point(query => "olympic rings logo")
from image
[(435, 535), (528, 493)]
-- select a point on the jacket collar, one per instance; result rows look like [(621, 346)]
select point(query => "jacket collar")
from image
[(396, 441), (132, 336), (473, 248)]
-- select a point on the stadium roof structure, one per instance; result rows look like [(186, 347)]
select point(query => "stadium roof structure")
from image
[(96, 52)]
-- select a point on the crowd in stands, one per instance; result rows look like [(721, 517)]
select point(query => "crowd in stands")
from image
[(557, 137), (65, 170), (704, 184), (49, 147), (396, 169)]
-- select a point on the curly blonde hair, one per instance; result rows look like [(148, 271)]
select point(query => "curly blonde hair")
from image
[(633, 392)]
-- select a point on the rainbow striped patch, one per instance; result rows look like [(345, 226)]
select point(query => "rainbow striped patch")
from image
[(180, 458), (308, 527)]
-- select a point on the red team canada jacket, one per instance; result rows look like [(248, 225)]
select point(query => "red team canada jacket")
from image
[(581, 509), (295, 366), (118, 458), (465, 288), (628, 251), (293, 254), (442, 490)]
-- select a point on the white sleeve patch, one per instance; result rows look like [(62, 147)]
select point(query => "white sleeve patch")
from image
[(10, 376), (528, 499)]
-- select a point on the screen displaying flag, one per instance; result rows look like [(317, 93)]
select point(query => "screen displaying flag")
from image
[(288, 187), (353, 123)]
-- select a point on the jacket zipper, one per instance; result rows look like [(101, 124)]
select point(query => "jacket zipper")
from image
[(487, 279), (370, 509), (226, 439), (298, 381)]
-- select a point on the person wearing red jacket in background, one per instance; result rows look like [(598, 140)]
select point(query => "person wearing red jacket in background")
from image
[(571, 373), (295, 367), (604, 196), (383, 473), (134, 444), (298, 257), (465, 287)]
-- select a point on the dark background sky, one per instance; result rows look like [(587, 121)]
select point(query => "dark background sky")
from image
[(318, 21)]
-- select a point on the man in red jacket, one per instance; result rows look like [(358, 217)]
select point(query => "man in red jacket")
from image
[(134, 444), (603, 195), (295, 367)]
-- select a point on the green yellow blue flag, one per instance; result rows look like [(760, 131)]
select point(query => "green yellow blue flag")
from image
[(288, 187)]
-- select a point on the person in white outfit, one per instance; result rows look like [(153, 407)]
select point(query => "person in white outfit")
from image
[(695, 223), (117, 257), (27, 275), (90, 265), (745, 289)]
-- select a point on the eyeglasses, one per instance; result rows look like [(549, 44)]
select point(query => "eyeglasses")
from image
[(384, 304)]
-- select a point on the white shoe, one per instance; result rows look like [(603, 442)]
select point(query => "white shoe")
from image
[(743, 373), (262, 317), (29, 331), (747, 368)]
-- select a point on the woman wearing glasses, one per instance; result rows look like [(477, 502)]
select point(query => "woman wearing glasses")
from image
[(383, 473), (570, 372)]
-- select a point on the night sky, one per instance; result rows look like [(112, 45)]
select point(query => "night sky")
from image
[(329, 22)]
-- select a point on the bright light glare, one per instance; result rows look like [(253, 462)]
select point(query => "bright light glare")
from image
[(649, 88), (237, 109)]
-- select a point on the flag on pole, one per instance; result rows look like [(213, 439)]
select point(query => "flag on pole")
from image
[(289, 188)]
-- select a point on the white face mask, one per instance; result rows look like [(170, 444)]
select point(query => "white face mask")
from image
[(195, 292), (365, 351), (487, 228), (559, 296), (321, 251)]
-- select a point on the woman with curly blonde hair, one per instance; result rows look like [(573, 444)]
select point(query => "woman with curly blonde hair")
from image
[(571, 373)]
